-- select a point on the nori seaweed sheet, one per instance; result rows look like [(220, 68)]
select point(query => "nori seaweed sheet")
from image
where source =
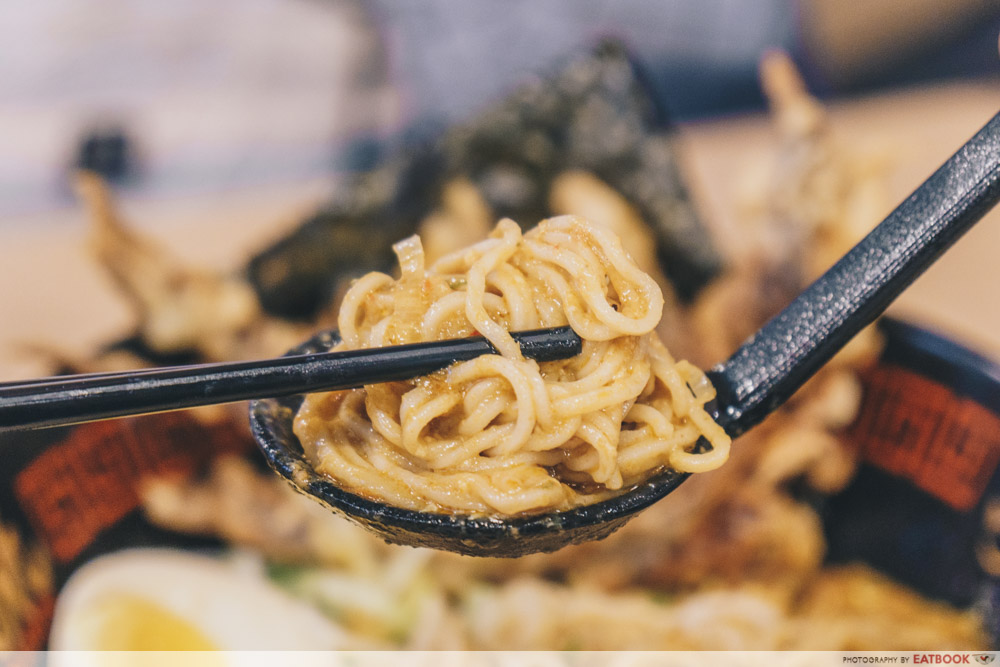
[(594, 114)]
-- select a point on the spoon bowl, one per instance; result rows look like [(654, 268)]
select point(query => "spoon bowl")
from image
[(271, 422)]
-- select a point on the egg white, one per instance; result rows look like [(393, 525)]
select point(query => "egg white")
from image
[(234, 609)]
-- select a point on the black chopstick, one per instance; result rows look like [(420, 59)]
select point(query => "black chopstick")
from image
[(72, 399)]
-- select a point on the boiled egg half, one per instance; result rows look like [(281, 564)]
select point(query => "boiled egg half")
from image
[(165, 599)]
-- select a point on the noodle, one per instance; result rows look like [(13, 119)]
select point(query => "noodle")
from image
[(501, 433)]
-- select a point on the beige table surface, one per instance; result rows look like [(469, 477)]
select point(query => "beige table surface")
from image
[(53, 293)]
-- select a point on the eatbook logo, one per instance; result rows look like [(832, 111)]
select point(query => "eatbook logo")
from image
[(984, 658)]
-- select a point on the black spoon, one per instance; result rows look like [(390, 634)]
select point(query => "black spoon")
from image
[(759, 377)]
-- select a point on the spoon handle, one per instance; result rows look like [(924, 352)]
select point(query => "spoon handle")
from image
[(773, 363)]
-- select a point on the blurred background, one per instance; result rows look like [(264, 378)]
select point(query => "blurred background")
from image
[(233, 121), (199, 96)]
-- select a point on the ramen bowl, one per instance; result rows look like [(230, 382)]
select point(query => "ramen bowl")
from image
[(921, 507)]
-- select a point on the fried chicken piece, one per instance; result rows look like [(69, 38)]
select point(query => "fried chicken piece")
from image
[(179, 308)]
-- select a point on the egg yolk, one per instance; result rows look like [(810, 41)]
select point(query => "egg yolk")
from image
[(132, 623)]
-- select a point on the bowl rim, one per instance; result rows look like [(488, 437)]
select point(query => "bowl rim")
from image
[(938, 357)]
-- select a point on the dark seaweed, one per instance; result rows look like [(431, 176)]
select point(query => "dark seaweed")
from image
[(595, 114), (297, 276)]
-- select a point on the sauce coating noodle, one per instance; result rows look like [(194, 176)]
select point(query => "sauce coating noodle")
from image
[(502, 434)]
